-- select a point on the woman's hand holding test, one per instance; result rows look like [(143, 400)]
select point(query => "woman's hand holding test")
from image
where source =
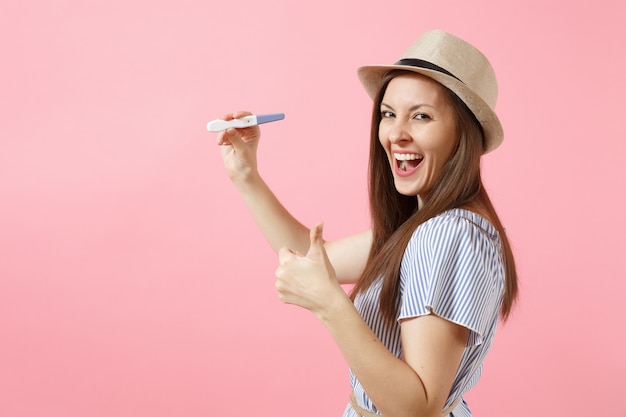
[(239, 149)]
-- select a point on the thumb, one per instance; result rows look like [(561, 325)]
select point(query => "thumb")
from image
[(316, 248), (234, 142), (233, 137)]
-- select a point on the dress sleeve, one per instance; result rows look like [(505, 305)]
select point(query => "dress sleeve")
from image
[(453, 268)]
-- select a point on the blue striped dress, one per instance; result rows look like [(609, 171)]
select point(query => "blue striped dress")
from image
[(453, 267)]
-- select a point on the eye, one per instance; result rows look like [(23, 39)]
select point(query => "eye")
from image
[(386, 114), (422, 116)]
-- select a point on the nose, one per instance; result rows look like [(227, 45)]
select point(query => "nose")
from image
[(398, 132)]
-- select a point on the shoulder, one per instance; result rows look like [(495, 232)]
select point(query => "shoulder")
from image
[(453, 267), (453, 225), (454, 237)]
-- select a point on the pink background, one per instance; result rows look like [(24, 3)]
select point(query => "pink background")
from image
[(134, 283)]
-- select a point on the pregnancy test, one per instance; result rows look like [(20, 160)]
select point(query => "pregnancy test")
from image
[(247, 121)]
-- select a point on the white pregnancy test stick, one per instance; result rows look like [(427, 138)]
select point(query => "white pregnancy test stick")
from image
[(247, 121)]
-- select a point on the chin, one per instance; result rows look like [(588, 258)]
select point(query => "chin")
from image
[(407, 191)]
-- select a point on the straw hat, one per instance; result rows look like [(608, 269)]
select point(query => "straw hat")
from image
[(457, 65)]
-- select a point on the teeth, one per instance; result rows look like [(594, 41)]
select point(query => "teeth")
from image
[(406, 156)]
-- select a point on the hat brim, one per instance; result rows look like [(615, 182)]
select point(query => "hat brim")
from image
[(371, 77)]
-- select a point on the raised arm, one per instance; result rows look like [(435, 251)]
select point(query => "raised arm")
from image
[(280, 228)]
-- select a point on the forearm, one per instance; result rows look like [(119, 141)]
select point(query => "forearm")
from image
[(391, 383), (278, 226)]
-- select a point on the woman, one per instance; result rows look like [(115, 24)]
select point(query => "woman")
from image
[(436, 271)]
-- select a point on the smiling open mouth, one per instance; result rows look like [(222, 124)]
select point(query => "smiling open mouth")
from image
[(407, 162)]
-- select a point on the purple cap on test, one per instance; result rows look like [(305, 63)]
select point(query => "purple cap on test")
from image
[(266, 118)]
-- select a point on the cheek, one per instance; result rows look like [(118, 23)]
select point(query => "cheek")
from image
[(446, 145), (446, 151), (382, 136), (384, 144)]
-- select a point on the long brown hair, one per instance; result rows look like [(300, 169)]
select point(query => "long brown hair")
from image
[(395, 216)]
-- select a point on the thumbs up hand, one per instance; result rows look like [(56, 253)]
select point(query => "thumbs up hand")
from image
[(309, 280)]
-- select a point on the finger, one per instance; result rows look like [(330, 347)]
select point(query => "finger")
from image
[(317, 240), (241, 113), (279, 273), (285, 255), (281, 284), (236, 115), (233, 138), (223, 138)]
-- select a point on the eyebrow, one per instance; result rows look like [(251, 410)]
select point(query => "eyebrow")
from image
[(412, 108)]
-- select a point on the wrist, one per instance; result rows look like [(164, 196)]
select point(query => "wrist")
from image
[(247, 181), (336, 306)]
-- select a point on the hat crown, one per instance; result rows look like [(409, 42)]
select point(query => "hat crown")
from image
[(459, 58)]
